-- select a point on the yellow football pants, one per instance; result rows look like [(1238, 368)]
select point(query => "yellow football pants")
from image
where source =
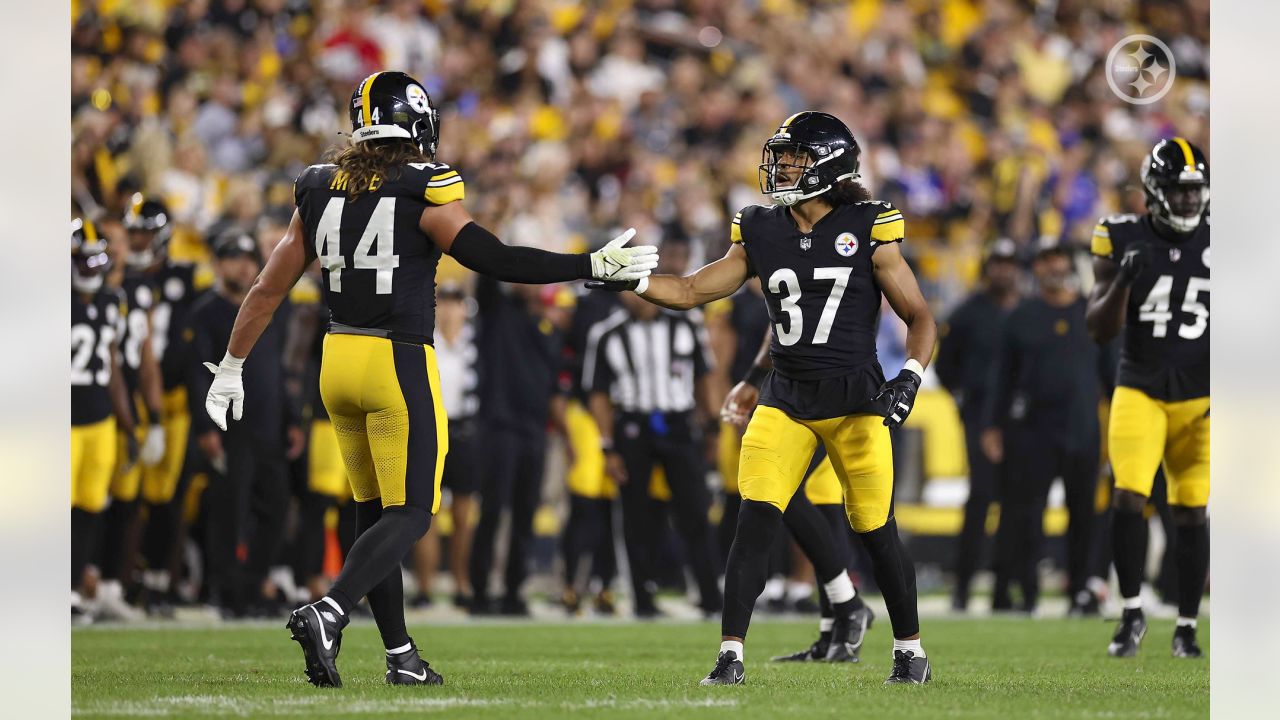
[(93, 459), (1144, 431), (777, 450), (160, 481), (587, 477), (383, 398)]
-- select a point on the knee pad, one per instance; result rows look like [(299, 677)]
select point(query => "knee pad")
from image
[(410, 520), (1128, 501), (757, 525), (1184, 516)]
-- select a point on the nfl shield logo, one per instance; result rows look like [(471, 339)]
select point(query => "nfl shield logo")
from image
[(806, 243), (1175, 254)]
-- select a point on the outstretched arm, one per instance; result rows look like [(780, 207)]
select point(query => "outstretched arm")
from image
[(454, 231), (710, 282)]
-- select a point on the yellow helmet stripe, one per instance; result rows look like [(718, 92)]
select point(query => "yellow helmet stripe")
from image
[(1187, 157), (365, 112), (90, 232), (791, 119)]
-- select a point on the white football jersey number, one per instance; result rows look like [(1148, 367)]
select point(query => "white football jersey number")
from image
[(785, 282), (1155, 309), (380, 232)]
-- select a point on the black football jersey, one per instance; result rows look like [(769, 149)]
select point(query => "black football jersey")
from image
[(379, 268), (139, 299), (175, 285), (96, 324), (823, 302), (1165, 345)]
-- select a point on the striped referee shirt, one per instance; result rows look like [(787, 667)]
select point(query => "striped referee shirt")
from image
[(647, 366)]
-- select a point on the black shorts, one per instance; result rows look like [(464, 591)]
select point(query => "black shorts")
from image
[(461, 466), (820, 399)]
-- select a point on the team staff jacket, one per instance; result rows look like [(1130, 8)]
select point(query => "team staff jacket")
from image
[(379, 268), (1165, 347), (823, 302), (96, 322)]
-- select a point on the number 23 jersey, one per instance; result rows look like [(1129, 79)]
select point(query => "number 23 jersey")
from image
[(379, 268), (824, 303), (1165, 348)]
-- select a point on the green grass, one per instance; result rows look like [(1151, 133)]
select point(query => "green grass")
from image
[(1007, 668)]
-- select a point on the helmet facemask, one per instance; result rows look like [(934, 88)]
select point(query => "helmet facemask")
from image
[(790, 172), (88, 267), (1180, 204)]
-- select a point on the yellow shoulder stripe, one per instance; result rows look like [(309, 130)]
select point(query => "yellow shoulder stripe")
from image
[(444, 175), (735, 228), (890, 211), (1101, 244), (446, 192), (889, 229)]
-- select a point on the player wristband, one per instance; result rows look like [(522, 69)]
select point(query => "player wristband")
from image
[(231, 361), (914, 366), (641, 285), (755, 376)]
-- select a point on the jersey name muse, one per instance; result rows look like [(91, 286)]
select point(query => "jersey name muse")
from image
[(1165, 351), (379, 268), (820, 287)]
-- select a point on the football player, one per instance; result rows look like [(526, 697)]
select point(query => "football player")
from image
[(99, 402), (172, 286), (824, 253), (1153, 286), (378, 218)]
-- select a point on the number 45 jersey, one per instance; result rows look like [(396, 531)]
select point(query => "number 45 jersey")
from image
[(1165, 351), (379, 268), (823, 303)]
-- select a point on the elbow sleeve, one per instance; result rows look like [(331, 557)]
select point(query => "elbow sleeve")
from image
[(479, 250)]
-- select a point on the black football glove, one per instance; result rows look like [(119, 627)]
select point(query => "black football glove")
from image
[(899, 395), (1135, 260), (613, 285)]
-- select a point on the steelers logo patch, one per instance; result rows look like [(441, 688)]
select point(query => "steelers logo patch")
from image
[(417, 98), (846, 244)]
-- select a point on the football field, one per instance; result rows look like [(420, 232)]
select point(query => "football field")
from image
[(984, 668)]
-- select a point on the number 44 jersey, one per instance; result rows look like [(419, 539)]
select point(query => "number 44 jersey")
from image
[(824, 303), (379, 268), (1165, 351)]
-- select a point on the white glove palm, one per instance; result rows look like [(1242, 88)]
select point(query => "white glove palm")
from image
[(624, 264), (227, 390), (152, 446)]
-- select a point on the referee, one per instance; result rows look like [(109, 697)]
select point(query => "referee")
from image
[(645, 370)]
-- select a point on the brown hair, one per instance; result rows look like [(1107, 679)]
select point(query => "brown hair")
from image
[(362, 162), (847, 192)]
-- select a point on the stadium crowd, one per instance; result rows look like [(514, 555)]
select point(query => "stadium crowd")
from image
[(569, 121)]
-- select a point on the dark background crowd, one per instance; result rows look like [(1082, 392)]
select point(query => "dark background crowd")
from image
[(988, 122)]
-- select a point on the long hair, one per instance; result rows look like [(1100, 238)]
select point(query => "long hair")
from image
[(362, 162), (847, 192)]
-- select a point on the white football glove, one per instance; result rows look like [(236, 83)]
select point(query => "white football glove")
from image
[(623, 264), (226, 390), (152, 446)]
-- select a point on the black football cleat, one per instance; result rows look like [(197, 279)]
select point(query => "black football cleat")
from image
[(1184, 643), (728, 670), (1129, 634), (318, 629), (814, 653), (909, 669), (847, 634), (408, 668)]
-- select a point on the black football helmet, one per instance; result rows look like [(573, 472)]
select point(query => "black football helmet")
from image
[(394, 105), (89, 259), (814, 147), (1175, 178), (149, 231)]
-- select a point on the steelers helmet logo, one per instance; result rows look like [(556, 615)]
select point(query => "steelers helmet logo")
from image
[(846, 244), (417, 98), (1204, 257)]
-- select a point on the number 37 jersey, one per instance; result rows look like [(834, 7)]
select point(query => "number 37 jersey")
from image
[(1165, 351), (379, 268)]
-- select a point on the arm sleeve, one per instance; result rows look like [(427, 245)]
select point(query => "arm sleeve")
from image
[(479, 250)]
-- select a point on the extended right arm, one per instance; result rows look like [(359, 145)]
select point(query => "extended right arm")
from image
[(716, 280)]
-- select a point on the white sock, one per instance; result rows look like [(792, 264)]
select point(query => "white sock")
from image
[(1133, 603), (774, 588), (825, 624), (1186, 622), (912, 646), (839, 589), (732, 645), (402, 649), (333, 604)]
